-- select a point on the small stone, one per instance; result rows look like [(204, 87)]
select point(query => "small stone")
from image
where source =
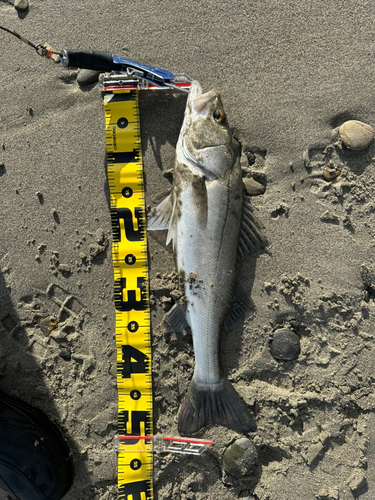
[(330, 173), (87, 77), (65, 353), (21, 4), (252, 187), (47, 325), (285, 345), (356, 135), (240, 457)]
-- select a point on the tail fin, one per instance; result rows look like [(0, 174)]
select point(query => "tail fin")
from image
[(218, 404)]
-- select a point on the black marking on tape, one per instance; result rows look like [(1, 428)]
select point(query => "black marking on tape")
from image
[(126, 215), (130, 259), (127, 192), (123, 157), (135, 464), (122, 122), (131, 303), (135, 489), (136, 418), (133, 361), (123, 97)]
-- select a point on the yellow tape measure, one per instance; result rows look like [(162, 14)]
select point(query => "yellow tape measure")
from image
[(133, 338)]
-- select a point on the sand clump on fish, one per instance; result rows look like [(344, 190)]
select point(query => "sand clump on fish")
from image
[(211, 224)]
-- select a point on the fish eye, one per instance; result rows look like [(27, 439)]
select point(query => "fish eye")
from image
[(219, 115)]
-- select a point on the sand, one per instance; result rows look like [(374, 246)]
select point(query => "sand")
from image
[(289, 73)]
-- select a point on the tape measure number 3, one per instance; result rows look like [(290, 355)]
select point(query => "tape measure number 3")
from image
[(133, 336)]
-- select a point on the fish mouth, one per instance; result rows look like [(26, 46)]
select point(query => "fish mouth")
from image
[(203, 101), (198, 101), (195, 91)]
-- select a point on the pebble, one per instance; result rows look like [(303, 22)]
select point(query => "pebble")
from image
[(253, 188), (240, 457), (356, 135), (285, 345), (21, 4), (65, 353), (47, 325), (87, 77), (330, 173)]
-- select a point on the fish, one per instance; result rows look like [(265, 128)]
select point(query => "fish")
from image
[(211, 224)]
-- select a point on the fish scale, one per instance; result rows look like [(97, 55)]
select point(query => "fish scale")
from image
[(205, 314)]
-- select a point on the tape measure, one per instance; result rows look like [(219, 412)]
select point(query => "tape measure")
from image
[(129, 250)]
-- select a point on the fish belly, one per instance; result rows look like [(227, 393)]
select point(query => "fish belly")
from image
[(207, 258)]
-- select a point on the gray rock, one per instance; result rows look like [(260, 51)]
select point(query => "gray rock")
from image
[(356, 135), (240, 457), (21, 4), (87, 77), (285, 345), (253, 188)]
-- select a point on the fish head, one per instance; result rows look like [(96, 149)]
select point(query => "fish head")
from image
[(206, 141)]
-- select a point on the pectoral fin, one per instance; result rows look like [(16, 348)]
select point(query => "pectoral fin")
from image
[(161, 217)]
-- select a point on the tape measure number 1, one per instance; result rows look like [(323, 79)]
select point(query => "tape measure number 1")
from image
[(133, 338)]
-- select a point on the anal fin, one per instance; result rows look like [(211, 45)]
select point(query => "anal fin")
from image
[(176, 319), (238, 307)]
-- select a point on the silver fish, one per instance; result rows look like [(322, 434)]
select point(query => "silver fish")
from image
[(211, 223)]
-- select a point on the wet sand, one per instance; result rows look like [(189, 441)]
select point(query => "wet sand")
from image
[(289, 74)]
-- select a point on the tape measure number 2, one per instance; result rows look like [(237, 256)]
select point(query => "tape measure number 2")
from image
[(133, 338)]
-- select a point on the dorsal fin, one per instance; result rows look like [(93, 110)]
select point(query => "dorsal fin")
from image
[(251, 237)]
